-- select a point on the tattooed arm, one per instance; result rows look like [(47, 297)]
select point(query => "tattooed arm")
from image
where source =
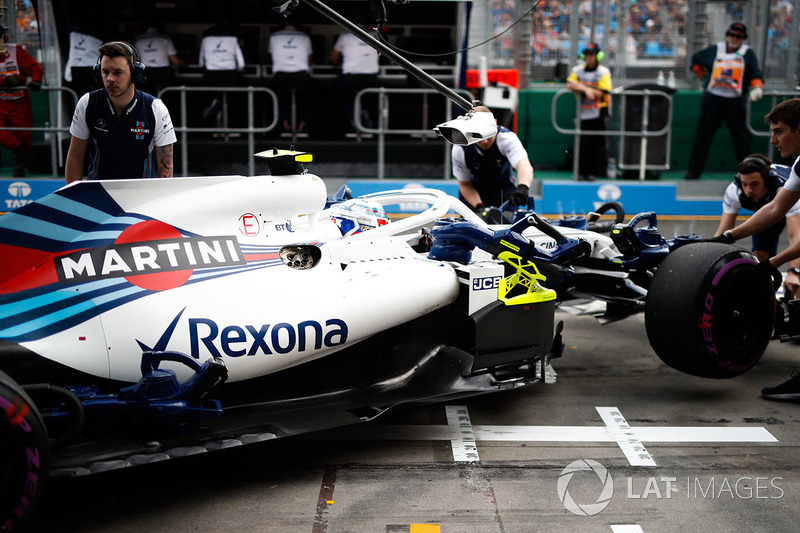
[(164, 160)]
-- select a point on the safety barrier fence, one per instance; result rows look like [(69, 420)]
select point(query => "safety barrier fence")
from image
[(382, 130), (184, 111), (250, 131), (52, 132), (644, 133)]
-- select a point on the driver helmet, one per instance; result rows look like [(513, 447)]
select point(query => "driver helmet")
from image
[(357, 215)]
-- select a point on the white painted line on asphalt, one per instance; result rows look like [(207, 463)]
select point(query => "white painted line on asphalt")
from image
[(677, 434), (627, 440), (627, 528), (577, 434), (704, 434), (462, 439), (543, 433)]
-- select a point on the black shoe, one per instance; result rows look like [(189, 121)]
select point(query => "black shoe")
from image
[(585, 177), (690, 176), (788, 391)]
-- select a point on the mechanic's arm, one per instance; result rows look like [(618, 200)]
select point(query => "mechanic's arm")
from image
[(164, 160), (767, 216), (726, 222), (524, 172), (76, 156), (470, 193), (792, 280)]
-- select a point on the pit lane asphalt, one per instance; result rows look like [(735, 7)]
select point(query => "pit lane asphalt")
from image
[(725, 460)]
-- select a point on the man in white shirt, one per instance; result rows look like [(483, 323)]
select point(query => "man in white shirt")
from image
[(291, 54), (158, 53), (82, 55), (360, 67), (220, 50), (156, 49), (223, 62)]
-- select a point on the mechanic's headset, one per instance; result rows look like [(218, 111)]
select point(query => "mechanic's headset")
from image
[(138, 74), (593, 47), (770, 179)]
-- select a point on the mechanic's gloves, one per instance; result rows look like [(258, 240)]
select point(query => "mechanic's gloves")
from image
[(765, 269), (520, 196), (34, 85), (725, 238), (756, 93)]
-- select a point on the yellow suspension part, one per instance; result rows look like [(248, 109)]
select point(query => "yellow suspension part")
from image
[(527, 277)]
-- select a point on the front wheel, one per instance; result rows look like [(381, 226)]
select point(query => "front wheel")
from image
[(705, 314), (24, 455)]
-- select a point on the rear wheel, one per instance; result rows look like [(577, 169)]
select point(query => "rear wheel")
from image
[(24, 455), (706, 314)]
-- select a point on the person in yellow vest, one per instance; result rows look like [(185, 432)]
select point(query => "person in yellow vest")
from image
[(16, 66), (591, 82), (731, 74)]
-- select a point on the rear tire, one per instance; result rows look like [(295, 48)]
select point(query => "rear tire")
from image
[(24, 455), (705, 314)]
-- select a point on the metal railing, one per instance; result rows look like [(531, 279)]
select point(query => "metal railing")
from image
[(425, 130), (53, 112), (250, 130), (642, 133), (775, 97)]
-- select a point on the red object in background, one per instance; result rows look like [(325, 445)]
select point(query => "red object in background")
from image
[(499, 76), (506, 76)]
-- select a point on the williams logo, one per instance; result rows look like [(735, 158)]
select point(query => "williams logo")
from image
[(151, 255)]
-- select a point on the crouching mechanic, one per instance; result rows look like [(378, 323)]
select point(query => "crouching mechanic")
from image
[(755, 185), (128, 133), (784, 125), (484, 170)]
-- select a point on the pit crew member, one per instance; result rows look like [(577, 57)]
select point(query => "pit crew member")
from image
[(784, 125), (755, 184), (128, 133), (484, 170)]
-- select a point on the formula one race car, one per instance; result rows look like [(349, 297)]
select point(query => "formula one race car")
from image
[(142, 320), (148, 319)]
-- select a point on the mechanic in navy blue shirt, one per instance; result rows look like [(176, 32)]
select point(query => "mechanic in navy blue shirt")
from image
[(484, 170), (127, 133)]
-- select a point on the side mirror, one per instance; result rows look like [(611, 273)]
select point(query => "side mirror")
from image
[(468, 129)]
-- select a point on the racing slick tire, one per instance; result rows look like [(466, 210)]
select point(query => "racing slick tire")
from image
[(705, 314), (24, 455)]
